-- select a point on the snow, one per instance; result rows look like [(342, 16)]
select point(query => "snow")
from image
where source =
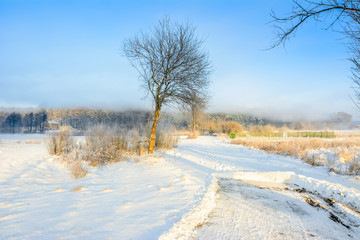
[(204, 189), (184, 228), (247, 212)]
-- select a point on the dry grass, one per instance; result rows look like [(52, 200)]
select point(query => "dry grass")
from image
[(344, 149), (104, 145), (234, 127), (346, 156), (347, 134), (77, 189), (33, 142), (74, 161), (193, 135), (165, 138), (59, 143), (181, 132), (77, 170), (355, 166), (296, 146)]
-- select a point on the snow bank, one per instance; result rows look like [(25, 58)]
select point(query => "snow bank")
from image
[(340, 193), (186, 227), (346, 195)]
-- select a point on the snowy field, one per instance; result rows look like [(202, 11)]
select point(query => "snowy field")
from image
[(204, 189)]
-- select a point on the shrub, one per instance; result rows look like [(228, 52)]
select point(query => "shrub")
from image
[(214, 127), (74, 160), (109, 144), (269, 128), (62, 143), (355, 165), (165, 138), (233, 127), (255, 129), (104, 145), (59, 143)]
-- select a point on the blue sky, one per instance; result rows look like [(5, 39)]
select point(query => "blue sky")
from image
[(67, 54)]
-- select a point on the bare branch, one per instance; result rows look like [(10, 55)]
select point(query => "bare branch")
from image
[(304, 10)]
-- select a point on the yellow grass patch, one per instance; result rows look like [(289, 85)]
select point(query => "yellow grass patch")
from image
[(346, 155), (33, 142), (78, 188), (107, 190)]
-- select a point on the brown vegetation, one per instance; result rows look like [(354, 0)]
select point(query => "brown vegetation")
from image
[(295, 146), (344, 149), (234, 127), (59, 142)]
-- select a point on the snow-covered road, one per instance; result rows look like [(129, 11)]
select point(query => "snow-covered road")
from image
[(204, 189), (244, 211), (262, 196)]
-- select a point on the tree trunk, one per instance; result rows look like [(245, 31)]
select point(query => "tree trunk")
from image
[(153, 129), (194, 124)]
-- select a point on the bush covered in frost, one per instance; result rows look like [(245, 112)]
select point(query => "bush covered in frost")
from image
[(104, 145)]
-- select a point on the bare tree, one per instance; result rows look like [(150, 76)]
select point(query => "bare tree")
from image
[(194, 102), (39, 121), (13, 122), (29, 121), (170, 60)]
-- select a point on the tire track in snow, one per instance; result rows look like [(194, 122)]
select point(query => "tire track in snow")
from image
[(245, 211)]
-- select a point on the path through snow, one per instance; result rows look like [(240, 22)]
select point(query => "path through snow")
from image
[(286, 199)]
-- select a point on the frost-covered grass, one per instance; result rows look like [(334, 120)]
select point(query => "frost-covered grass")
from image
[(59, 143), (338, 160), (104, 145), (340, 155), (165, 138), (297, 134)]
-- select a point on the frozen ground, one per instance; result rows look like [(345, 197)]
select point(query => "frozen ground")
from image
[(204, 189)]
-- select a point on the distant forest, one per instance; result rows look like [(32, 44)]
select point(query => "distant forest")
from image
[(82, 119)]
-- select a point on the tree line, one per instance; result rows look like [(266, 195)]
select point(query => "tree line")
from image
[(83, 119), (31, 122), (35, 122), (205, 123)]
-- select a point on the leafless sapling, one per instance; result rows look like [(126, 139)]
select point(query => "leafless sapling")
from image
[(194, 102)]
